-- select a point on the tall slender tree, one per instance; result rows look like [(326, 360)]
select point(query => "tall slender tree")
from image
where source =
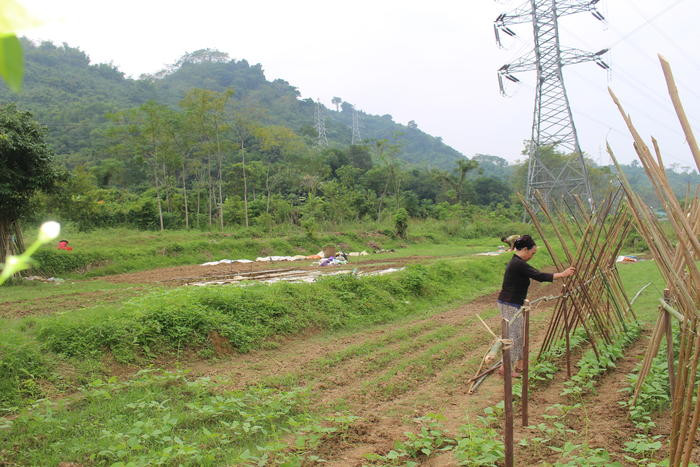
[(206, 118), (27, 167)]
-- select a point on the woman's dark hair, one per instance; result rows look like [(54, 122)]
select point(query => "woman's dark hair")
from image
[(525, 241)]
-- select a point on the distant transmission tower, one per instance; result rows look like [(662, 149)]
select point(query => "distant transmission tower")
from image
[(355, 127), (320, 125), (552, 122)]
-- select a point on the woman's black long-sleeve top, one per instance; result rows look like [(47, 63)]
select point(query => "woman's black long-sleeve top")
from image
[(516, 281)]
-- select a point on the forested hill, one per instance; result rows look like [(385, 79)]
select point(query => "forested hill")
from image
[(71, 97)]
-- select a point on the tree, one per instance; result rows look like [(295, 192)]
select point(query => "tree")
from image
[(206, 118), (337, 101), (456, 181), (243, 127), (27, 167), (386, 153), (401, 223), (145, 131), (490, 190)]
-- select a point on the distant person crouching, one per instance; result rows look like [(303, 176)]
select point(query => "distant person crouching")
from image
[(510, 241), (63, 245)]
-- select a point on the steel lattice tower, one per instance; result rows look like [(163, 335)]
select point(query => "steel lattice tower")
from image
[(552, 122), (355, 127), (320, 125)]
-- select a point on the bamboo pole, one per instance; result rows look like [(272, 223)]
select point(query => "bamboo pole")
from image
[(673, 92), (507, 396), (526, 364), (568, 343), (669, 343), (689, 389)]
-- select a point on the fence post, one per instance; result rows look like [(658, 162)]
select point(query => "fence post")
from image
[(526, 362), (507, 396)]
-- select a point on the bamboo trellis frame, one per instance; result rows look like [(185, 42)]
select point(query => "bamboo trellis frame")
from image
[(594, 297), (678, 266)]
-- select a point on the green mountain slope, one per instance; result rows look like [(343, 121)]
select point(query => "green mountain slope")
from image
[(71, 97)]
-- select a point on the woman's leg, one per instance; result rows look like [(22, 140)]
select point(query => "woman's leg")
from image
[(515, 332)]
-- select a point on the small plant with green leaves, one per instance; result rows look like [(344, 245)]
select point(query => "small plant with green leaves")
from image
[(591, 367), (431, 438), (654, 394), (576, 455), (554, 432), (642, 448), (481, 444), (544, 369)]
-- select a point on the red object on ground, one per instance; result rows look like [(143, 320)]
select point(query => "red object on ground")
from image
[(63, 245)]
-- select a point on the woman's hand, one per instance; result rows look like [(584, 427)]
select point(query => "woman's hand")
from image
[(570, 271)]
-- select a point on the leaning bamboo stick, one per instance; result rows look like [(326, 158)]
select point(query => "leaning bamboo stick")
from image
[(680, 112), (652, 350), (689, 389), (693, 428)]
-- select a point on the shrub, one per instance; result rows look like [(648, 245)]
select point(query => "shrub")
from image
[(55, 262), (20, 367)]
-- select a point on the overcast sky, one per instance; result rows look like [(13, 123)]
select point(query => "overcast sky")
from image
[(433, 61)]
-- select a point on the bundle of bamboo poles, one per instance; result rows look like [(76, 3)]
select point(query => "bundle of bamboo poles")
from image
[(594, 297), (677, 262)]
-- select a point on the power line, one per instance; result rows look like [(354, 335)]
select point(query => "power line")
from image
[(650, 117), (662, 33), (636, 83), (647, 22)]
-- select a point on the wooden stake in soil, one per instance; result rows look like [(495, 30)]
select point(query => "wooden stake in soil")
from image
[(507, 396), (526, 361), (568, 343)]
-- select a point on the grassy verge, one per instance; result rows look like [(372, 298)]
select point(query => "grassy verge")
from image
[(30, 295)]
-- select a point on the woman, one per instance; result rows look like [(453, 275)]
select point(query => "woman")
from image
[(516, 281)]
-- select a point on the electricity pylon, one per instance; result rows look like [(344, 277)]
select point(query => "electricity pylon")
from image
[(320, 125), (552, 123), (355, 127)]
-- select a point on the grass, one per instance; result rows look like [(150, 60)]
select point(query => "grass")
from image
[(27, 290), (634, 277)]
